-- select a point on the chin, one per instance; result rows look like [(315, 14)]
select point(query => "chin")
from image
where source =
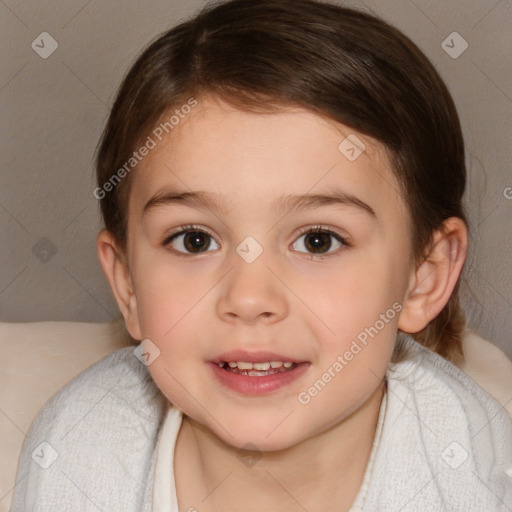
[(263, 436)]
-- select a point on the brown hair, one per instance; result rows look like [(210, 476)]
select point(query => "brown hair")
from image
[(340, 63)]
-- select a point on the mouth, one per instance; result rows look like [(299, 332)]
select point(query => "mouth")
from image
[(256, 374)]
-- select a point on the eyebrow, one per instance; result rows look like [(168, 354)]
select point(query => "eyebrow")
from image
[(290, 202)]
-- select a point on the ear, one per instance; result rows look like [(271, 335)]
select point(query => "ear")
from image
[(433, 281), (114, 265)]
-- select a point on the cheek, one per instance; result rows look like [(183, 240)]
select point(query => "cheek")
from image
[(165, 292), (355, 322), (351, 295), (173, 335)]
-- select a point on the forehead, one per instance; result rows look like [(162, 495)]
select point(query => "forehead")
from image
[(244, 158)]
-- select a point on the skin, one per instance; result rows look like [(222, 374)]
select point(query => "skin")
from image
[(195, 306)]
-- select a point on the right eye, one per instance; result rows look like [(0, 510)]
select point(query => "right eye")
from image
[(189, 240)]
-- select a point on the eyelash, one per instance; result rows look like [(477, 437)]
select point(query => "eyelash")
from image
[(311, 229)]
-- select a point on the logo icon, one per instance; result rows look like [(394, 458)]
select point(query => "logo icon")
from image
[(454, 45), (351, 147), (44, 45), (44, 250), (454, 455), (45, 455), (146, 352), (249, 250), (249, 455)]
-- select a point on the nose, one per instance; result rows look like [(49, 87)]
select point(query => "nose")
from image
[(251, 293)]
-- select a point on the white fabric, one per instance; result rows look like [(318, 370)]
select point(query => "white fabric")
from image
[(164, 491), (106, 426), (446, 444)]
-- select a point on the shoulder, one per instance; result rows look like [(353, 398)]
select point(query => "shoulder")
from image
[(440, 386), (117, 386), (448, 432), (93, 439)]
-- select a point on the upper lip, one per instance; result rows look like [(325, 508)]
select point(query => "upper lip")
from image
[(253, 357)]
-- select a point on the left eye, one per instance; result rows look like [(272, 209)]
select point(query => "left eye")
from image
[(319, 241)]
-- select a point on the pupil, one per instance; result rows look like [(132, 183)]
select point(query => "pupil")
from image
[(317, 239), (194, 241)]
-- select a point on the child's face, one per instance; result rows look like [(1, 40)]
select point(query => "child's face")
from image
[(201, 297)]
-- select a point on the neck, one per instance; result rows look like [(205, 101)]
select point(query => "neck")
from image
[(322, 473)]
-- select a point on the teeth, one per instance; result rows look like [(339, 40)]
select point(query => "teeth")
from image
[(244, 365), (261, 366)]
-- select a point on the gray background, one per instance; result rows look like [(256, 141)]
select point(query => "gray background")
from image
[(54, 110)]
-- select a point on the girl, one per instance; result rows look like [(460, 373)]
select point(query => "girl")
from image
[(281, 186)]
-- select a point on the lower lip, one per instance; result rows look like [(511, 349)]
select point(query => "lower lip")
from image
[(255, 385)]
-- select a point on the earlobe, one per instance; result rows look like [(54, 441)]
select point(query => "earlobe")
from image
[(115, 267), (433, 281)]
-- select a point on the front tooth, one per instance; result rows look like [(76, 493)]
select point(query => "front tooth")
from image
[(242, 365), (261, 366), (232, 364), (287, 364), (276, 364)]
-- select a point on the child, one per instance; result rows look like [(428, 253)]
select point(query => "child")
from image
[(281, 185)]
